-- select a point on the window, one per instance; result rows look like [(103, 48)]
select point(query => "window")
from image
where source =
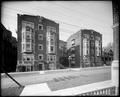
[(86, 36), (85, 46), (73, 42), (28, 59), (40, 47), (28, 38), (51, 58), (92, 37), (40, 27), (23, 47), (97, 48), (54, 58), (92, 44), (27, 28), (97, 38), (51, 29), (51, 48), (40, 37), (52, 41), (27, 45), (40, 56)]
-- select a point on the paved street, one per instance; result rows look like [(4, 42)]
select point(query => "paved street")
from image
[(61, 80)]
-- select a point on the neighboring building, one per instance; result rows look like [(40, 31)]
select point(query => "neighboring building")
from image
[(107, 56), (63, 56), (62, 48), (85, 48), (8, 50), (38, 43)]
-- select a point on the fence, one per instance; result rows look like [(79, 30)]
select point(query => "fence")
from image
[(106, 91)]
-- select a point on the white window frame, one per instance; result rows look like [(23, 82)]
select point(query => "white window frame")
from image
[(30, 49), (97, 48), (40, 55), (54, 58), (53, 49), (25, 56), (73, 42), (23, 49), (41, 46), (84, 46), (29, 38), (41, 27), (51, 57), (26, 28), (24, 33), (50, 28)]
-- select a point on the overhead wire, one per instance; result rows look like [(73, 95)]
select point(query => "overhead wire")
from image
[(61, 22), (81, 13), (52, 19), (13, 18)]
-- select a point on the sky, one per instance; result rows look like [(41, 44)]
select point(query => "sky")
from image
[(71, 16)]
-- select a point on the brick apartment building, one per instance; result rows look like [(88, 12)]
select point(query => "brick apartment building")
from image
[(38, 43), (85, 48)]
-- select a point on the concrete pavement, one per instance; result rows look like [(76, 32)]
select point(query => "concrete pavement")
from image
[(61, 80)]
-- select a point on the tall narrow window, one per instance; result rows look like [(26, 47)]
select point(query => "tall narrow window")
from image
[(40, 27), (28, 38), (84, 46), (40, 47), (73, 42), (27, 28), (51, 48), (28, 47), (40, 36), (40, 56), (97, 47)]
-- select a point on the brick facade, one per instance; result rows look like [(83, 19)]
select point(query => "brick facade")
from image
[(85, 48), (36, 38)]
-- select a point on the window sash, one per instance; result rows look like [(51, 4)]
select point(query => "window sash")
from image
[(40, 36), (40, 27), (40, 56), (40, 47)]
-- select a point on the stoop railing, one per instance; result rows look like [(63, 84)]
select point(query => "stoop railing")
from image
[(103, 92)]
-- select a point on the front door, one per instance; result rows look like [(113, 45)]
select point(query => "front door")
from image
[(40, 66)]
